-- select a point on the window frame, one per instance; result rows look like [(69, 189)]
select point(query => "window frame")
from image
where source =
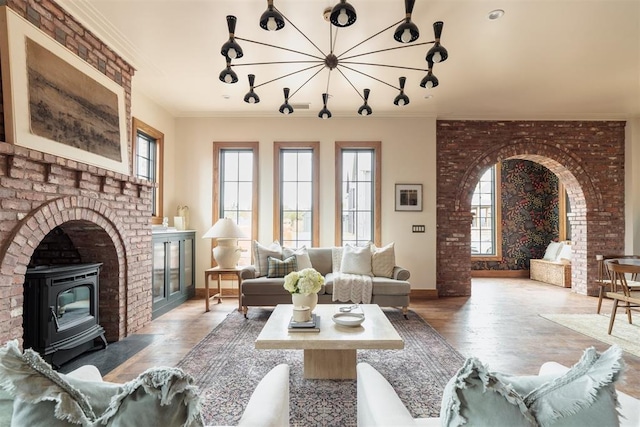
[(278, 149), (218, 147), (138, 126), (376, 148), (497, 193)]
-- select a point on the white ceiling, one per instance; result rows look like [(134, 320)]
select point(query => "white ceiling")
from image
[(544, 59)]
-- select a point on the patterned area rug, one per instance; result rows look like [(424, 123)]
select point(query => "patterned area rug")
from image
[(227, 368), (596, 326)]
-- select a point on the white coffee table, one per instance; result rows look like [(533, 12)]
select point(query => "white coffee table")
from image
[(330, 353)]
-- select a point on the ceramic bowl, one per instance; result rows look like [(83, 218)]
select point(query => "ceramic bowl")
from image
[(348, 319)]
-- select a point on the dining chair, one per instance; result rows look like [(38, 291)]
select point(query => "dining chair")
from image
[(618, 276), (604, 280)]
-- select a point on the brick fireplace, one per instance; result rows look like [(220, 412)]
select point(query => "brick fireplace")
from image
[(102, 216)]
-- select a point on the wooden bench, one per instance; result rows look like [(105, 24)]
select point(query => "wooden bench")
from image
[(553, 272)]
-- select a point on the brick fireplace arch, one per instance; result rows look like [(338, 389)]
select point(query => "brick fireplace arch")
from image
[(96, 231), (587, 157)]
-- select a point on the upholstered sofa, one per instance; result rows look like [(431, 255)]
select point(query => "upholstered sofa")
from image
[(32, 394), (257, 289), (583, 395)]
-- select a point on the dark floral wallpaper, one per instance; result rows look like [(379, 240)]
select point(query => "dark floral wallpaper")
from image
[(529, 214)]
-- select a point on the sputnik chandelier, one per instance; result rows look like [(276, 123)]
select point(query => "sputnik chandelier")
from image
[(341, 15)]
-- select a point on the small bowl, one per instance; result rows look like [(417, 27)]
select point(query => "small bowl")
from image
[(348, 319)]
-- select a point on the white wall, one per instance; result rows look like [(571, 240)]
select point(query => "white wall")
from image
[(408, 156)]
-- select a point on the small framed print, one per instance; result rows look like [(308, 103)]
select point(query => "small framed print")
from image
[(409, 197)]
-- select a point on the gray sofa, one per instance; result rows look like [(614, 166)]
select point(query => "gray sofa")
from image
[(265, 292)]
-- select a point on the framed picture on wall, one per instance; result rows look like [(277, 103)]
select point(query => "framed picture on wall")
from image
[(409, 197)]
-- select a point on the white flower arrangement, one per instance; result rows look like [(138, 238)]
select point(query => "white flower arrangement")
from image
[(305, 281)]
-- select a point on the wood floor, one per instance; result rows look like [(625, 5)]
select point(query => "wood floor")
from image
[(499, 324)]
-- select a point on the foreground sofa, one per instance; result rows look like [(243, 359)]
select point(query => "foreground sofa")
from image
[(392, 291), (477, 397), (31, 393)]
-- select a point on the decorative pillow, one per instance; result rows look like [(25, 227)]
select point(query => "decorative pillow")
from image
[(565, 253), (383, 260), (261, 254), (356, 260), (552, 251), (159, 396), (280, 268), (584, 395), (336, 259), (302, 256)]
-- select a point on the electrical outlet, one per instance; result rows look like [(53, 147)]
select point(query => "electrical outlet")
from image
[(418, 228)]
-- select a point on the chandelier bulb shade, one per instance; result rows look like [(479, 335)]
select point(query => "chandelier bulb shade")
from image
[(251, 97), (228, 75), (271, 19), (343, 14), (231, 49), (429, 81), (407, 31), (401, 99), (437, 53), (286, 108), (324, 113), (365, 109)]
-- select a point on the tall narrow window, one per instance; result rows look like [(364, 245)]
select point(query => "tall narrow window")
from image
[(358, 192), (296, 195), (147, 149), (235, 193), (486, 242)]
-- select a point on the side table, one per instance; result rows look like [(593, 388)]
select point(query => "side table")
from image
[(217, 272)]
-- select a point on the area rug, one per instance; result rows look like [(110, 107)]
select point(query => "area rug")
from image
[(227, 368), (596, 326)]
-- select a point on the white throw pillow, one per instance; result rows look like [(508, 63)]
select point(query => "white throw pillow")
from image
[(302, 256), (552, 251), (356, 260), (261, 256), (565, 253), (383, 260)]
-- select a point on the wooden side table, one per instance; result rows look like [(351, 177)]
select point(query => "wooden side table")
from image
[(217, 272)]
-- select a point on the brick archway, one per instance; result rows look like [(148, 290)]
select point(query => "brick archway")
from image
[(97, 231), (588, 158)]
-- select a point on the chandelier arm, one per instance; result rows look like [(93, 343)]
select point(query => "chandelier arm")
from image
[(369, 38), (399, 67), (291, 74), (303, 34), (349, 81), (370, 76), (280, 47), (303, 84), (385, 50), (278, 62)]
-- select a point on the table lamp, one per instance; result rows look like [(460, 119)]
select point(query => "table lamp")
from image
[(227, 252)]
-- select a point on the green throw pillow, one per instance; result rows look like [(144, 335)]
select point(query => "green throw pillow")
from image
[(280, 268), (584, 395)]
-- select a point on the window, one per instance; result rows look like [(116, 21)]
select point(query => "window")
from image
[(147, 164), (564, 208), (235, 190), (358, 175), (486, 239), (296, 194)]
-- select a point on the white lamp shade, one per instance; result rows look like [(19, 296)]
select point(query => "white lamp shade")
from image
[(224, 228)]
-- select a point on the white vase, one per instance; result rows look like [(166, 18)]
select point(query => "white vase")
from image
[(305, 300)]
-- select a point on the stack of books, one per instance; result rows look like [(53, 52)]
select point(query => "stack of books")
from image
[(312, 325)]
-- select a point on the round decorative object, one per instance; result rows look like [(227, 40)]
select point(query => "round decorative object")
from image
[(305, 300), (348, 319)]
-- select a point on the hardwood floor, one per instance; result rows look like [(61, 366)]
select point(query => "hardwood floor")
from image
[(499, 324)]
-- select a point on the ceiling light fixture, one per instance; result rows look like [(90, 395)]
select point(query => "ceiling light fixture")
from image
[(496, 14), (341, 15)]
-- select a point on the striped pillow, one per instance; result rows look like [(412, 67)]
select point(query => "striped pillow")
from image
[(383, 260), (280, 268)]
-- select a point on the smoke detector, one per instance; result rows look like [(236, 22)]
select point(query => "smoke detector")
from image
[(327, 13)]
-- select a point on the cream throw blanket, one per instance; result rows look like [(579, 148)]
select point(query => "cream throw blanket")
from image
[(352, 287)]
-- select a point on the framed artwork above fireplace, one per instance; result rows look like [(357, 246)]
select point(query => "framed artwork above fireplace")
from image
[(57, 103)]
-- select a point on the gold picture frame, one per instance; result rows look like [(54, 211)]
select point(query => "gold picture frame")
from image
[(57, 103)]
